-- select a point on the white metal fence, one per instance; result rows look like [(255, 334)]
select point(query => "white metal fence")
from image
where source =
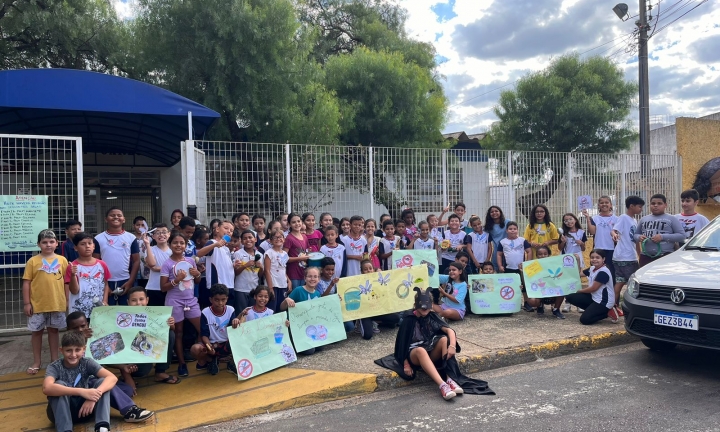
[(37, 165), (270, 179)]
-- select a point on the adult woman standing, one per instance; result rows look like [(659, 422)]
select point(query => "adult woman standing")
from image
[(495, 225)]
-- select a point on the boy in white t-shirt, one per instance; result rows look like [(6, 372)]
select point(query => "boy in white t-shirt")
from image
[(121, 252), (625, 259), (692, 221), (248, 263)]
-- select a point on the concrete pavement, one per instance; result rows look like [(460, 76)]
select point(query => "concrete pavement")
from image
[(341, 370)]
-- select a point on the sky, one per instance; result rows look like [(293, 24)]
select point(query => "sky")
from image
[(485, 46)]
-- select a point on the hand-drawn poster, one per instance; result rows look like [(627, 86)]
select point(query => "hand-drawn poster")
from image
[(584, 202), (261, 345), (553, 276), (380, 293), (494, 293), (409, 258), (129, 334), (316, 323), (22, 217)]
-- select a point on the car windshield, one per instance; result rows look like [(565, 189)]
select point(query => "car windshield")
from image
[(708, 238)]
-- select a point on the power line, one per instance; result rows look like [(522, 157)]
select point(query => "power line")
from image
[(692, 9)]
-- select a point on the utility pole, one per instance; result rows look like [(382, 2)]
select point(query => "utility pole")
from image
[(643, 26)]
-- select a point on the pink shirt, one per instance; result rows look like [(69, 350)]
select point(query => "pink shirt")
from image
[(314, 240), (294, 248)]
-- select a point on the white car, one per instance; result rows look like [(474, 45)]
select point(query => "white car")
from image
[(676, 299)]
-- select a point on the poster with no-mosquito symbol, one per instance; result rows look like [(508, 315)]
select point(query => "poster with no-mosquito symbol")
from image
[(261, 345), (316, 323), (129, 334), (495, 293)]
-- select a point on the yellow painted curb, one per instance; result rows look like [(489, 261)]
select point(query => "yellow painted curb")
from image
[(198, 400)]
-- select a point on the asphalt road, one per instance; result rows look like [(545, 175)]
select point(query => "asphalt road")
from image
[(624, 388)]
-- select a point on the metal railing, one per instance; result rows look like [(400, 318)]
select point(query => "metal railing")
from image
[(270, 179)]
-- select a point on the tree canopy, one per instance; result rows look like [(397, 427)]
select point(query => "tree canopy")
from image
[(574, 105), (276, 70)]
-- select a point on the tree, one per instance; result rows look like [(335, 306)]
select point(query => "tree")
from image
[(247, 59), (74, 34), (387, 101), (572, 106)]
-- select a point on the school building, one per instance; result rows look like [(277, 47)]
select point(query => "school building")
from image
[(89, 141)]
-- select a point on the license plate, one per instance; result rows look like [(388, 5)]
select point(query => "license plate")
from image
[(677, 320)]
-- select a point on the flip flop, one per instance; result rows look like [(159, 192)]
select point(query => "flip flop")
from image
[(171, 379), (32, 370)]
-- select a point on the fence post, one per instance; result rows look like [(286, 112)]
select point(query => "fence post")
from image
[(511, 185), (623, 181), (444, 177), (371, 171), (80, 180), (570, 195), (287, 178)]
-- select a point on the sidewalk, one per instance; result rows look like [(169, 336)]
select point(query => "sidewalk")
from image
[(340, 371)]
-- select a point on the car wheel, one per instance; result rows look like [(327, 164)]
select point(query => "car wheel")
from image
[(657, 345)]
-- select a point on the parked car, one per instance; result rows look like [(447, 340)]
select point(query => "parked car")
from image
[(676, 299)]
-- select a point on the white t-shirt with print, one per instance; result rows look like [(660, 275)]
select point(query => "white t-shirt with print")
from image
[(160, 257), (353, 247), (249, 278), (457, 239), (219, 266), (480, 246), (692, 223), (337, 254), (513, 251), (625, 248), (603, 227)]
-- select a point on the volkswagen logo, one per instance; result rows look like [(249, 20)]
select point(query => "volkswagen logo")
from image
[(677, 296)]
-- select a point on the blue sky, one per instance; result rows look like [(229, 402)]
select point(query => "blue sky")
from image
[(486, 44)]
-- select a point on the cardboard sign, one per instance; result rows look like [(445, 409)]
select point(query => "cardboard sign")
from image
[(261, 345), (316, 323), (553, 276), (495, 293), (584, 202), (129, 334), (22, 217), (380, 293)]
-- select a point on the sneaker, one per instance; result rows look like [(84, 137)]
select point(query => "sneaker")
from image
[(200, 367), (455, 387), (183, 370), (231, 368), (557, 313), (528, 308), (446, 392), (358, 327), (612, 314), (619, 311), (581, 310), (566, 307), (541, 310), (136, 415), (213, 366), (376, 329)]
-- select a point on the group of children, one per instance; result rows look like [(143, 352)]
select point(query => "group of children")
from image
[(245, 268)]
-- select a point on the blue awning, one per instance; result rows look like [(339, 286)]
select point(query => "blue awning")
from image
[(110, 113)]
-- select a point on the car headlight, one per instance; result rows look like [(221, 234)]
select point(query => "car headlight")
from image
[(633, 287)]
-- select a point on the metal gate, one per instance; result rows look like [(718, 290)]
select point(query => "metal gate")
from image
[(37, 165)]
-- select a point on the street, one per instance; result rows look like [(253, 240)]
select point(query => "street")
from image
[(623, 388)]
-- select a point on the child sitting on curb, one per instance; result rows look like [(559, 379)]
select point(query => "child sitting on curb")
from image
[(214, 321)]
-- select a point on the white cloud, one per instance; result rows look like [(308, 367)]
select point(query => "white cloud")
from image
[(523, 35), (124, 8)]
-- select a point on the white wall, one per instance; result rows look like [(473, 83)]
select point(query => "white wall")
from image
[(171, 190)]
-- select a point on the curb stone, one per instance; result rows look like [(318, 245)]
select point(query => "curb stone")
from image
[(519, 355)]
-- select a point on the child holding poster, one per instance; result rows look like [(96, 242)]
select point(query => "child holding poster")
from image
[(305, 292), (263, 296), (544, 252), (598, 298), (121, 394), (454, 293), (214, 321), (86, 277), (176, 279), (44, 300), (511, 252)]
